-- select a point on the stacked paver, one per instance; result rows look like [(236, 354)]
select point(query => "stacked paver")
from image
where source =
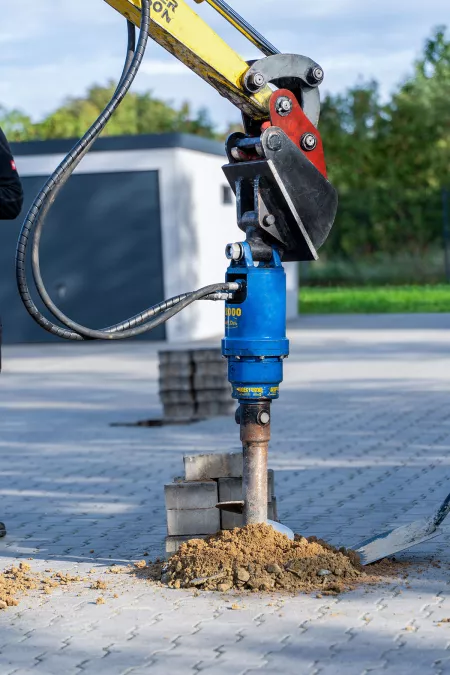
[(191, 501), (193, 385)]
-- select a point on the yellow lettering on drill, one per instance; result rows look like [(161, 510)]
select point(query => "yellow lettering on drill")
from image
[(249, 390)]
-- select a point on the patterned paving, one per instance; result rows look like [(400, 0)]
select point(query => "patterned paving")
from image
[(361, 441)]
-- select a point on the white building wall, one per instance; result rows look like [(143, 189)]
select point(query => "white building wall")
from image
[(203, 227), (196, 225), (197, 241)]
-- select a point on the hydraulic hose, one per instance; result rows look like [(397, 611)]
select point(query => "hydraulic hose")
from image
[(34, 221)]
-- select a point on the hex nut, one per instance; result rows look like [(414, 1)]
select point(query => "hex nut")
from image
[(283, 106), (255, 82), (274, 141), (308, 142)]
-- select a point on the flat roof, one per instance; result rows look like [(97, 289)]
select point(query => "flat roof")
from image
[(117, 143)]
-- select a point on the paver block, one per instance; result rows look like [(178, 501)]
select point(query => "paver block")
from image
[(217, 396), (230, 489), (213, 409), (175, 384), (195, 495), (177, 397), (193, 521), (179, 411), (174, 543), (170, 357), (207, 467), (214, 382), (207, 355), (211, 369), (167, 370)]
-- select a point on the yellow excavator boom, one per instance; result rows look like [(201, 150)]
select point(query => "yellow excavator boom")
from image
[(177, 28)]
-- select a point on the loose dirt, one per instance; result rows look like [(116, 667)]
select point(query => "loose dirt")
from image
[(258, 558), (17, 581)]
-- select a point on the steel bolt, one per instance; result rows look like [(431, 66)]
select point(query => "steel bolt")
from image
[(283, 106), (274, 142), (234, 251), (263, 418), (269, 221), (315, 75), (256, 81), (308, 142)]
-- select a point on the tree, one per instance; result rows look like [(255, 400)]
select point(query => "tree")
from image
[(138, 114), (389, 161)]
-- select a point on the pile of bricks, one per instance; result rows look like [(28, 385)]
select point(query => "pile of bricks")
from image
[(191, 500), (193, 385)]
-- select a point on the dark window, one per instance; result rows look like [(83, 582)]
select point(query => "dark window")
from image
[(101, 253)]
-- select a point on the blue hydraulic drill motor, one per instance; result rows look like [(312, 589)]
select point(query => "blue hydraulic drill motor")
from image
[(255, 345), (255, 342)]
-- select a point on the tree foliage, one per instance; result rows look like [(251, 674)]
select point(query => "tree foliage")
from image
[(138, 114), (390, 160)]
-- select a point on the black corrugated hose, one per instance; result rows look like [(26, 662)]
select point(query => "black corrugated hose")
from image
[(34, 221)]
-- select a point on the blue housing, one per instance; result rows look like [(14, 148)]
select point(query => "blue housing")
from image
[(255, 342)]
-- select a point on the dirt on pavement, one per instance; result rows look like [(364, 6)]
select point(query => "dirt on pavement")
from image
[(258, 558)]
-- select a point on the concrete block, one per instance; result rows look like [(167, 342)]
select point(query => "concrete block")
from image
[(176, 397), (195, 495), (175, 370), (230, 489), (228, 521), (207, 355), (177, 412), (172, 356), (214, 395), (175, 384), (174, 543), (212, 382), (212, 409), (274, 509), (271, 483), (193, 521), (207, 467), (211, 369)]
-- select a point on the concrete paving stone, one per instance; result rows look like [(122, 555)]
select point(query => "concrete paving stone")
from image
[(194, 495), (213, 466), (192, 521), (360, 441)]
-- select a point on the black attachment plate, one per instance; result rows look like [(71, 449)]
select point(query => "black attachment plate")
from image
[(290, 188)]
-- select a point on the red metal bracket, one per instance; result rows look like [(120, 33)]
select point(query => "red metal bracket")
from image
[(295, 124)]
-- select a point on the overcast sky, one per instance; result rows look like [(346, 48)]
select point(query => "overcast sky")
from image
[(51, 49)]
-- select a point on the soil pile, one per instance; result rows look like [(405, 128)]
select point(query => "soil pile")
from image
[(259, 558)]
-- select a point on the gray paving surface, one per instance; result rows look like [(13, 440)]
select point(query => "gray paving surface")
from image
[(361, 442)]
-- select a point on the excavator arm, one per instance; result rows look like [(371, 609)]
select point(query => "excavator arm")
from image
[(277, 94), (177, 28)]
